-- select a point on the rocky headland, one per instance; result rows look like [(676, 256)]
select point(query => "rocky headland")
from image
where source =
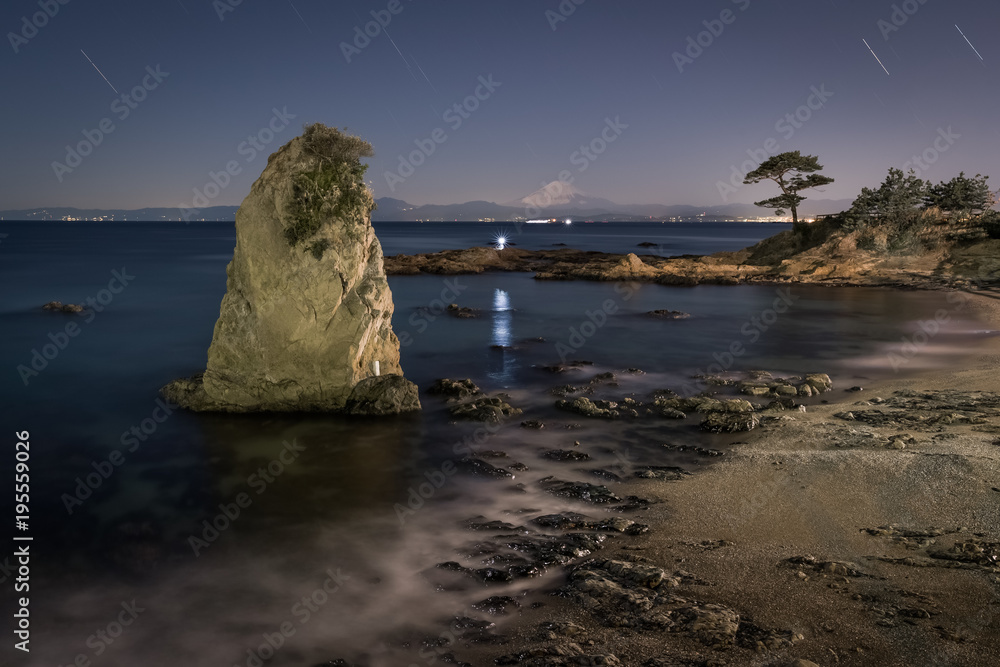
[(828, 252)]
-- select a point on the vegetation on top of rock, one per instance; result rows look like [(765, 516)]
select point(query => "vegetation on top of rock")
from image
[(899, 194), (335, 188), (900, 216), (969, 196), (798, 169), (332, 145)]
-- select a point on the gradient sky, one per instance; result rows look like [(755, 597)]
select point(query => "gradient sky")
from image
[(686, 130)]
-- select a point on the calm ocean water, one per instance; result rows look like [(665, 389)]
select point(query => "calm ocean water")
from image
[(334, 507)]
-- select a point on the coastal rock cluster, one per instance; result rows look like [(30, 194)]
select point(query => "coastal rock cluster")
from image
[(818, 253), (589, 581), (305, 323), (719, 415)]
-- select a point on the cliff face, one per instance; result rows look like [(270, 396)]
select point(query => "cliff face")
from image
[(307, 311)]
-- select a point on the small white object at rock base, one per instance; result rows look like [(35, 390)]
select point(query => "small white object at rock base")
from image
[(375, 368)]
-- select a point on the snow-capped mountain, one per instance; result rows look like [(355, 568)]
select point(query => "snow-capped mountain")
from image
[(564, 197)]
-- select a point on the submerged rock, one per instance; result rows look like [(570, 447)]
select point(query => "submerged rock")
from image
[(61, 307), (307, 312), (455, 389), (461, 312), (588, 408), (668, 314), (566, 455), (574, 521), (491, 410), (480, 468), (591, 493)]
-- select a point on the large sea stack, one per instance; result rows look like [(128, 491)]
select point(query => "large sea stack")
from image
[(306, 318)]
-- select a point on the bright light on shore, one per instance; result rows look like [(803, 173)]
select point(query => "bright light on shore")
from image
[(569, 221), (500, 241)]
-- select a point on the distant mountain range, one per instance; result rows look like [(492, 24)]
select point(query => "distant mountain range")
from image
[(555, 200)]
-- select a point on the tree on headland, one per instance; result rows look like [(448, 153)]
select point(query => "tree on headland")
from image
[(897, 201), (793, 172), (964, 196), (899, 194)]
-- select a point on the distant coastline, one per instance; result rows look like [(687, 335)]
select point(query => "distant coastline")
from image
[(396, 210)]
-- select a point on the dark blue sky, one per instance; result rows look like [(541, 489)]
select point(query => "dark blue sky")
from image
[(686, 130)]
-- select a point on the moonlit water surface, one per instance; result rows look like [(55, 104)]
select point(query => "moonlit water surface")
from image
[(333, 514)]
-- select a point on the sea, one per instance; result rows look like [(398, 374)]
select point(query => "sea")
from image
[(161, 537)]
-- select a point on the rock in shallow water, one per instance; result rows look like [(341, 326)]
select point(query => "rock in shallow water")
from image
[(591, 493), (454, 389), (61, 307), (584, 406), (383, 395), (491, 410), (307, 312)]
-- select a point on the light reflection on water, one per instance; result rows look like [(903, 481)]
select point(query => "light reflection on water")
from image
[(502, 360)]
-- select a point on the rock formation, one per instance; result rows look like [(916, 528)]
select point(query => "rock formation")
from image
[(306, 319)]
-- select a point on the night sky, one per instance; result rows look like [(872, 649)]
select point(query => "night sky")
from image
[(553, 91)]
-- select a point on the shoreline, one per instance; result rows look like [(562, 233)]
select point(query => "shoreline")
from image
[(949, 254), (822, 487)]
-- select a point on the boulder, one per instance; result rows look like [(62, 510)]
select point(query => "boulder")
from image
[(383, 395), (584, 406), (454, 389), (730, 422), (492, 410), (307, 312)]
